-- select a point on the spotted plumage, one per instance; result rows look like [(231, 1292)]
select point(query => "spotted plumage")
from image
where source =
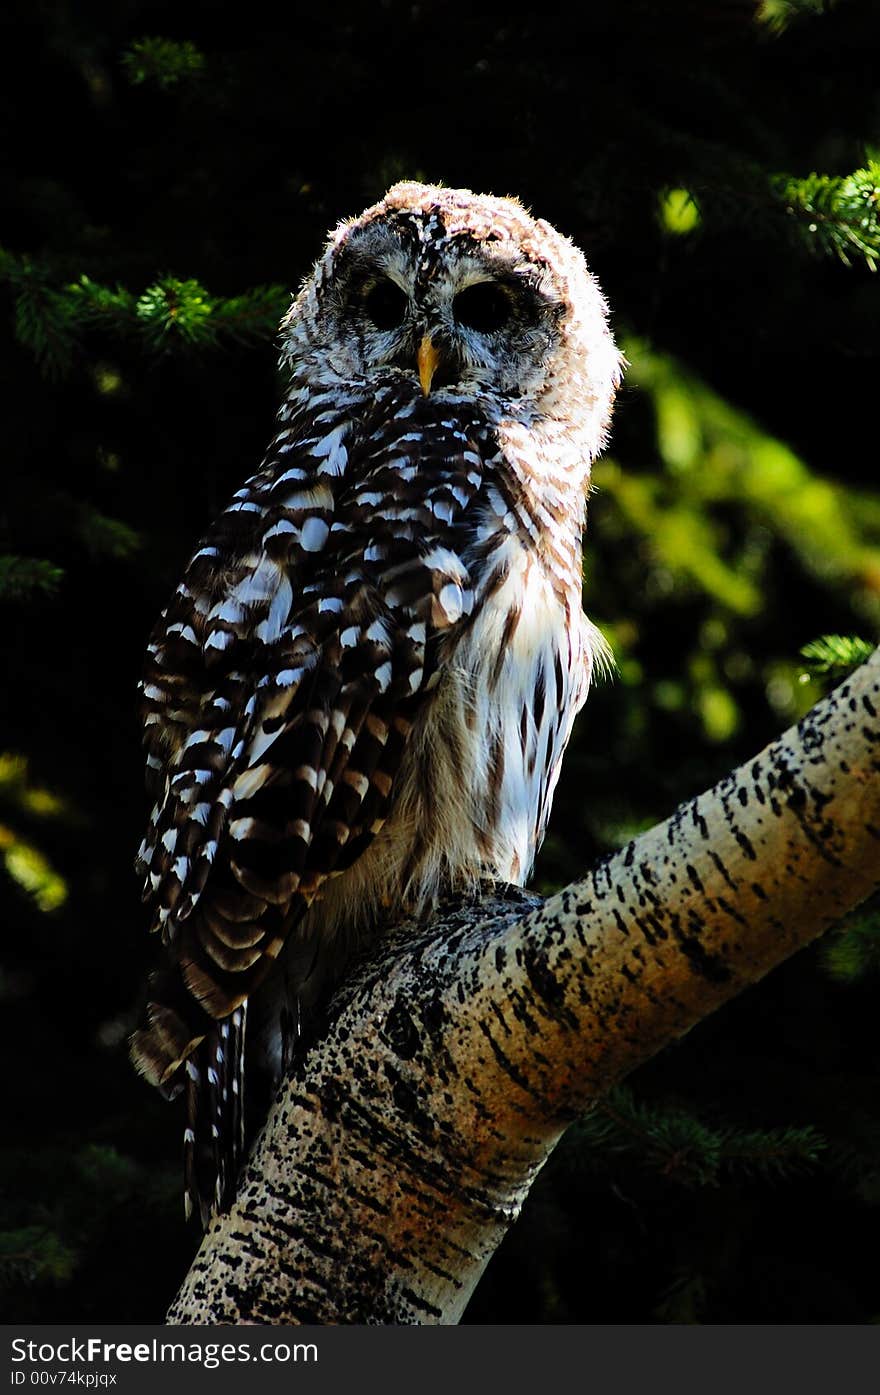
[(359, 696)]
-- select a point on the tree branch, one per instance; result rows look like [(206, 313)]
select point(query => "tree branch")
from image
[(403, 1147)]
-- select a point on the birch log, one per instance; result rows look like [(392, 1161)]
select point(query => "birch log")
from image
[(402, 1149)]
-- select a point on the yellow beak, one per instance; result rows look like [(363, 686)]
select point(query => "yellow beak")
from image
[(427, 359)]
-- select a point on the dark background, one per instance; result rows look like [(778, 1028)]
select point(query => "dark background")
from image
[(737, 517)]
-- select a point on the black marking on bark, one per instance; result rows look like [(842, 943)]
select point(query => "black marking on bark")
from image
[(406, 1099), (542, 978), (647, 934), (660, 931), (508, 1067), (705, 965), (745, 845), (722, 870), (497, 1013), (303, 1235), (435, 1018), (693, 878), (734, 914), (372, 1203), (421, 1304), (400, 1033), (442, 1273), (426, 1169), (812, 739)]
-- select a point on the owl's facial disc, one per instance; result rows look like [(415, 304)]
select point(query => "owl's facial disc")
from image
[(488, 311)]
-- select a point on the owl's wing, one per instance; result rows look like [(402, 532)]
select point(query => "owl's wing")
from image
[(281, 686)]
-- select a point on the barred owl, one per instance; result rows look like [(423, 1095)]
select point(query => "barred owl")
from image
[(358, 698)]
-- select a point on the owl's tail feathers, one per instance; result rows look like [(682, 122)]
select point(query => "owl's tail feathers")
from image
[(182, 1048), (175, 1026), (214, 1136)]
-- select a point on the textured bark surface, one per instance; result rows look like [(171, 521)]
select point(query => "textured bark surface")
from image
[(402, 1149)]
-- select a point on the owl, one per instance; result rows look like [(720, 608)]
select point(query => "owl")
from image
[(359, 696)]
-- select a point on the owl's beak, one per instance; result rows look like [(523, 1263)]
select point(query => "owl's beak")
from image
[(427, 359)]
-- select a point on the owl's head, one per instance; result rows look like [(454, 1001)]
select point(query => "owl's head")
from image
[(463, 295)]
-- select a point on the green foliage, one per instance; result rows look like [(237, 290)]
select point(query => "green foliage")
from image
[(715, 462), (836, 655), (709, 511), (42, 322), (33, 872), (679, 212), (777, 15), (669, 1139), (53, 321), (89, 303), (25, 809), (22, 577), (66, 1205), (852, 951), (34, 1255), (837, 215), (162, 62), (174, 307)]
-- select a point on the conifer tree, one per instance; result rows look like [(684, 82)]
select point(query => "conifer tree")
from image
[(725, 185)]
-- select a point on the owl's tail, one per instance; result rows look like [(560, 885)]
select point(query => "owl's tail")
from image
[(182, 1050), (214, 1136)]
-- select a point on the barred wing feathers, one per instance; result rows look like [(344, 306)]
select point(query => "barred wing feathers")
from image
[(281, 685)]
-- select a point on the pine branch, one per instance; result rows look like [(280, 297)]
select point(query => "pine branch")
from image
[(42, 320), (33, 1254), (169, 315), (251, 317), (674, 1142), (23, 577), (165, 63), (92, 303), (715, 185), (838, 215), (836, 655), (172, 309)]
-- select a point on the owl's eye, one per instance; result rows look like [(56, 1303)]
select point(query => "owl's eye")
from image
[(482, 307), (385, 304)]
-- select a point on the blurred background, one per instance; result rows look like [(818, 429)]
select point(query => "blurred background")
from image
[(170, 174)]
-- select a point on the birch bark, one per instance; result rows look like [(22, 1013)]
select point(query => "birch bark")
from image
[(402, 1149)]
